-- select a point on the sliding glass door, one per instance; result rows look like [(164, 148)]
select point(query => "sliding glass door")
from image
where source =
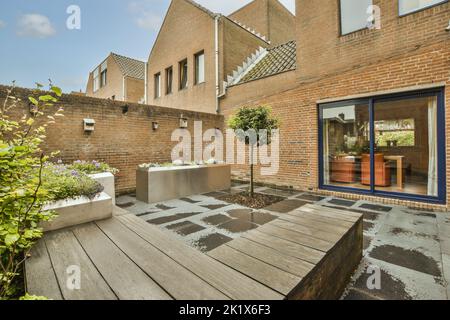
[(389, 146)]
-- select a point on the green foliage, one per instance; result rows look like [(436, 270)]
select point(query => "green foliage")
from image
[(32, 298), (256, 119), (254, 126), (68, 183), (22, 191), (401, 138), (92, 167)]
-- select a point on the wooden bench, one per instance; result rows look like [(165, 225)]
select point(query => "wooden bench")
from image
[(307, 254)]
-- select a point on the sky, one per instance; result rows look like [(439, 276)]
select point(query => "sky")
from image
[(36, 43)]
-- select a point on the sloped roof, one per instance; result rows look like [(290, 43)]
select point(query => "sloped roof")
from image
[(130, 67), (277, 60), (195, 4)]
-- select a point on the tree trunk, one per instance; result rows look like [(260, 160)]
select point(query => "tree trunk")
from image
[(252, 186)]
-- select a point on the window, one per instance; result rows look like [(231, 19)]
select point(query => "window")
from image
[(395, 133), (200, 68), (183, 74), (403, 158), (157, 85), (103, 74), (169, 80), (409, 6), (354, 15), (96, 83)]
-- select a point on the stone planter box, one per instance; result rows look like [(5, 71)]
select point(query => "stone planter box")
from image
[(106, 179), (162, 184), (72, 212)]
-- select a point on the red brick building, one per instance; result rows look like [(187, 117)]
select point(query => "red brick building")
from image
[(367, 114)]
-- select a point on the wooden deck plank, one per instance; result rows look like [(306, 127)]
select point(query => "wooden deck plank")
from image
[(315, 224), (321, 219), (273, 257), (274, 278), (125, 278), (39, 274), (343, 211), (332, 213), (296, 237), (178, 281), (232, 283), (285, 246), (315, 233), (65, 251)]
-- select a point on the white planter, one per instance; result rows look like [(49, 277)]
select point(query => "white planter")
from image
[(72, 212), (106, 179), (161, 184)]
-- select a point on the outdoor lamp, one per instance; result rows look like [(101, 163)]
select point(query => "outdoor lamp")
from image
[(155, 126)]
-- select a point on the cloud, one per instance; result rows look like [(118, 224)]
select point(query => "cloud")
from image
[(35, 25), (145, 15)]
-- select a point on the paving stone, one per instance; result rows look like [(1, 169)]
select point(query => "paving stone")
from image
[(391, 288), (125, 205), (310, 197), (146, 213), (367, 241), (279, 192), (411, 259), (164, 207), (215, 195), (214, 206), (211, 242), (445, 244), (238, 226), (189, 200), (368, 226), (185, 228), (259, 218), (216, 219), (286, 206), (171, 218), (376, 207), (446, 267), (342, 203)]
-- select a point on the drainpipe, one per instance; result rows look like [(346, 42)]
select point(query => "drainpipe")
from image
[(216, 48), (146, 83), (123, 88)]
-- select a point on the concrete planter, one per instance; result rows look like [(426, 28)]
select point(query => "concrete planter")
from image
[(72, 212), (106, 179), (161, 184)]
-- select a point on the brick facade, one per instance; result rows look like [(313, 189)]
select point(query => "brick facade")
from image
[(407, 52), (123, 135)]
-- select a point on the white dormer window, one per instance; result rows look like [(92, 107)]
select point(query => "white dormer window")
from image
[(96, 83), (103, 74)]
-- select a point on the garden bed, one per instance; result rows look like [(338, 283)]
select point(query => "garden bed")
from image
[(259, 200), (156, 184)]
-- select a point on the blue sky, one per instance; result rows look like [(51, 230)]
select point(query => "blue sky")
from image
[(36, 44)]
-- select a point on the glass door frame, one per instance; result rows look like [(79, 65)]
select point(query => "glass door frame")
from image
[(371, 101)]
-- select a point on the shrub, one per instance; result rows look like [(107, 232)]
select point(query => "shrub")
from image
[(92, 167), (22, 191), (68, 183)]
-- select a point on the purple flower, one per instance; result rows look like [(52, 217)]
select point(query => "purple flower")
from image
[(74, 173)]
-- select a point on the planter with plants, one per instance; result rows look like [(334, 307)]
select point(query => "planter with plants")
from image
[(161, 182), (100, 172), (77, 199)]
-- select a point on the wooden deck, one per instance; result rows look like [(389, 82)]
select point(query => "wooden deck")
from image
[(307, 254)]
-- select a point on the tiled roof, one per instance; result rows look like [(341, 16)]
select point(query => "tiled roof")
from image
[(130, 67), (277, 60)]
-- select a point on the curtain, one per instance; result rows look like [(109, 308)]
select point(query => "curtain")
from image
[(326, 152), (432, 142)]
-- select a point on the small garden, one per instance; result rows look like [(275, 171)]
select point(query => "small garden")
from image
[(31, 179)]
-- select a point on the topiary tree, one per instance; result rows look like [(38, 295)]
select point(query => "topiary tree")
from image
[(254, 126), (22, 195)]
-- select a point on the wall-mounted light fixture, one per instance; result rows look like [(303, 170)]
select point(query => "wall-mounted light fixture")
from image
[(155, 126), (183, 122), (125, 109), (89, 125), (448, 28)]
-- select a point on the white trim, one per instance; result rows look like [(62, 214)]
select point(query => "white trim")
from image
[(216, 49)]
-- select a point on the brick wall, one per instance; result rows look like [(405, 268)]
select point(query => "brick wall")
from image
[(297, 110), (122, 139)]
